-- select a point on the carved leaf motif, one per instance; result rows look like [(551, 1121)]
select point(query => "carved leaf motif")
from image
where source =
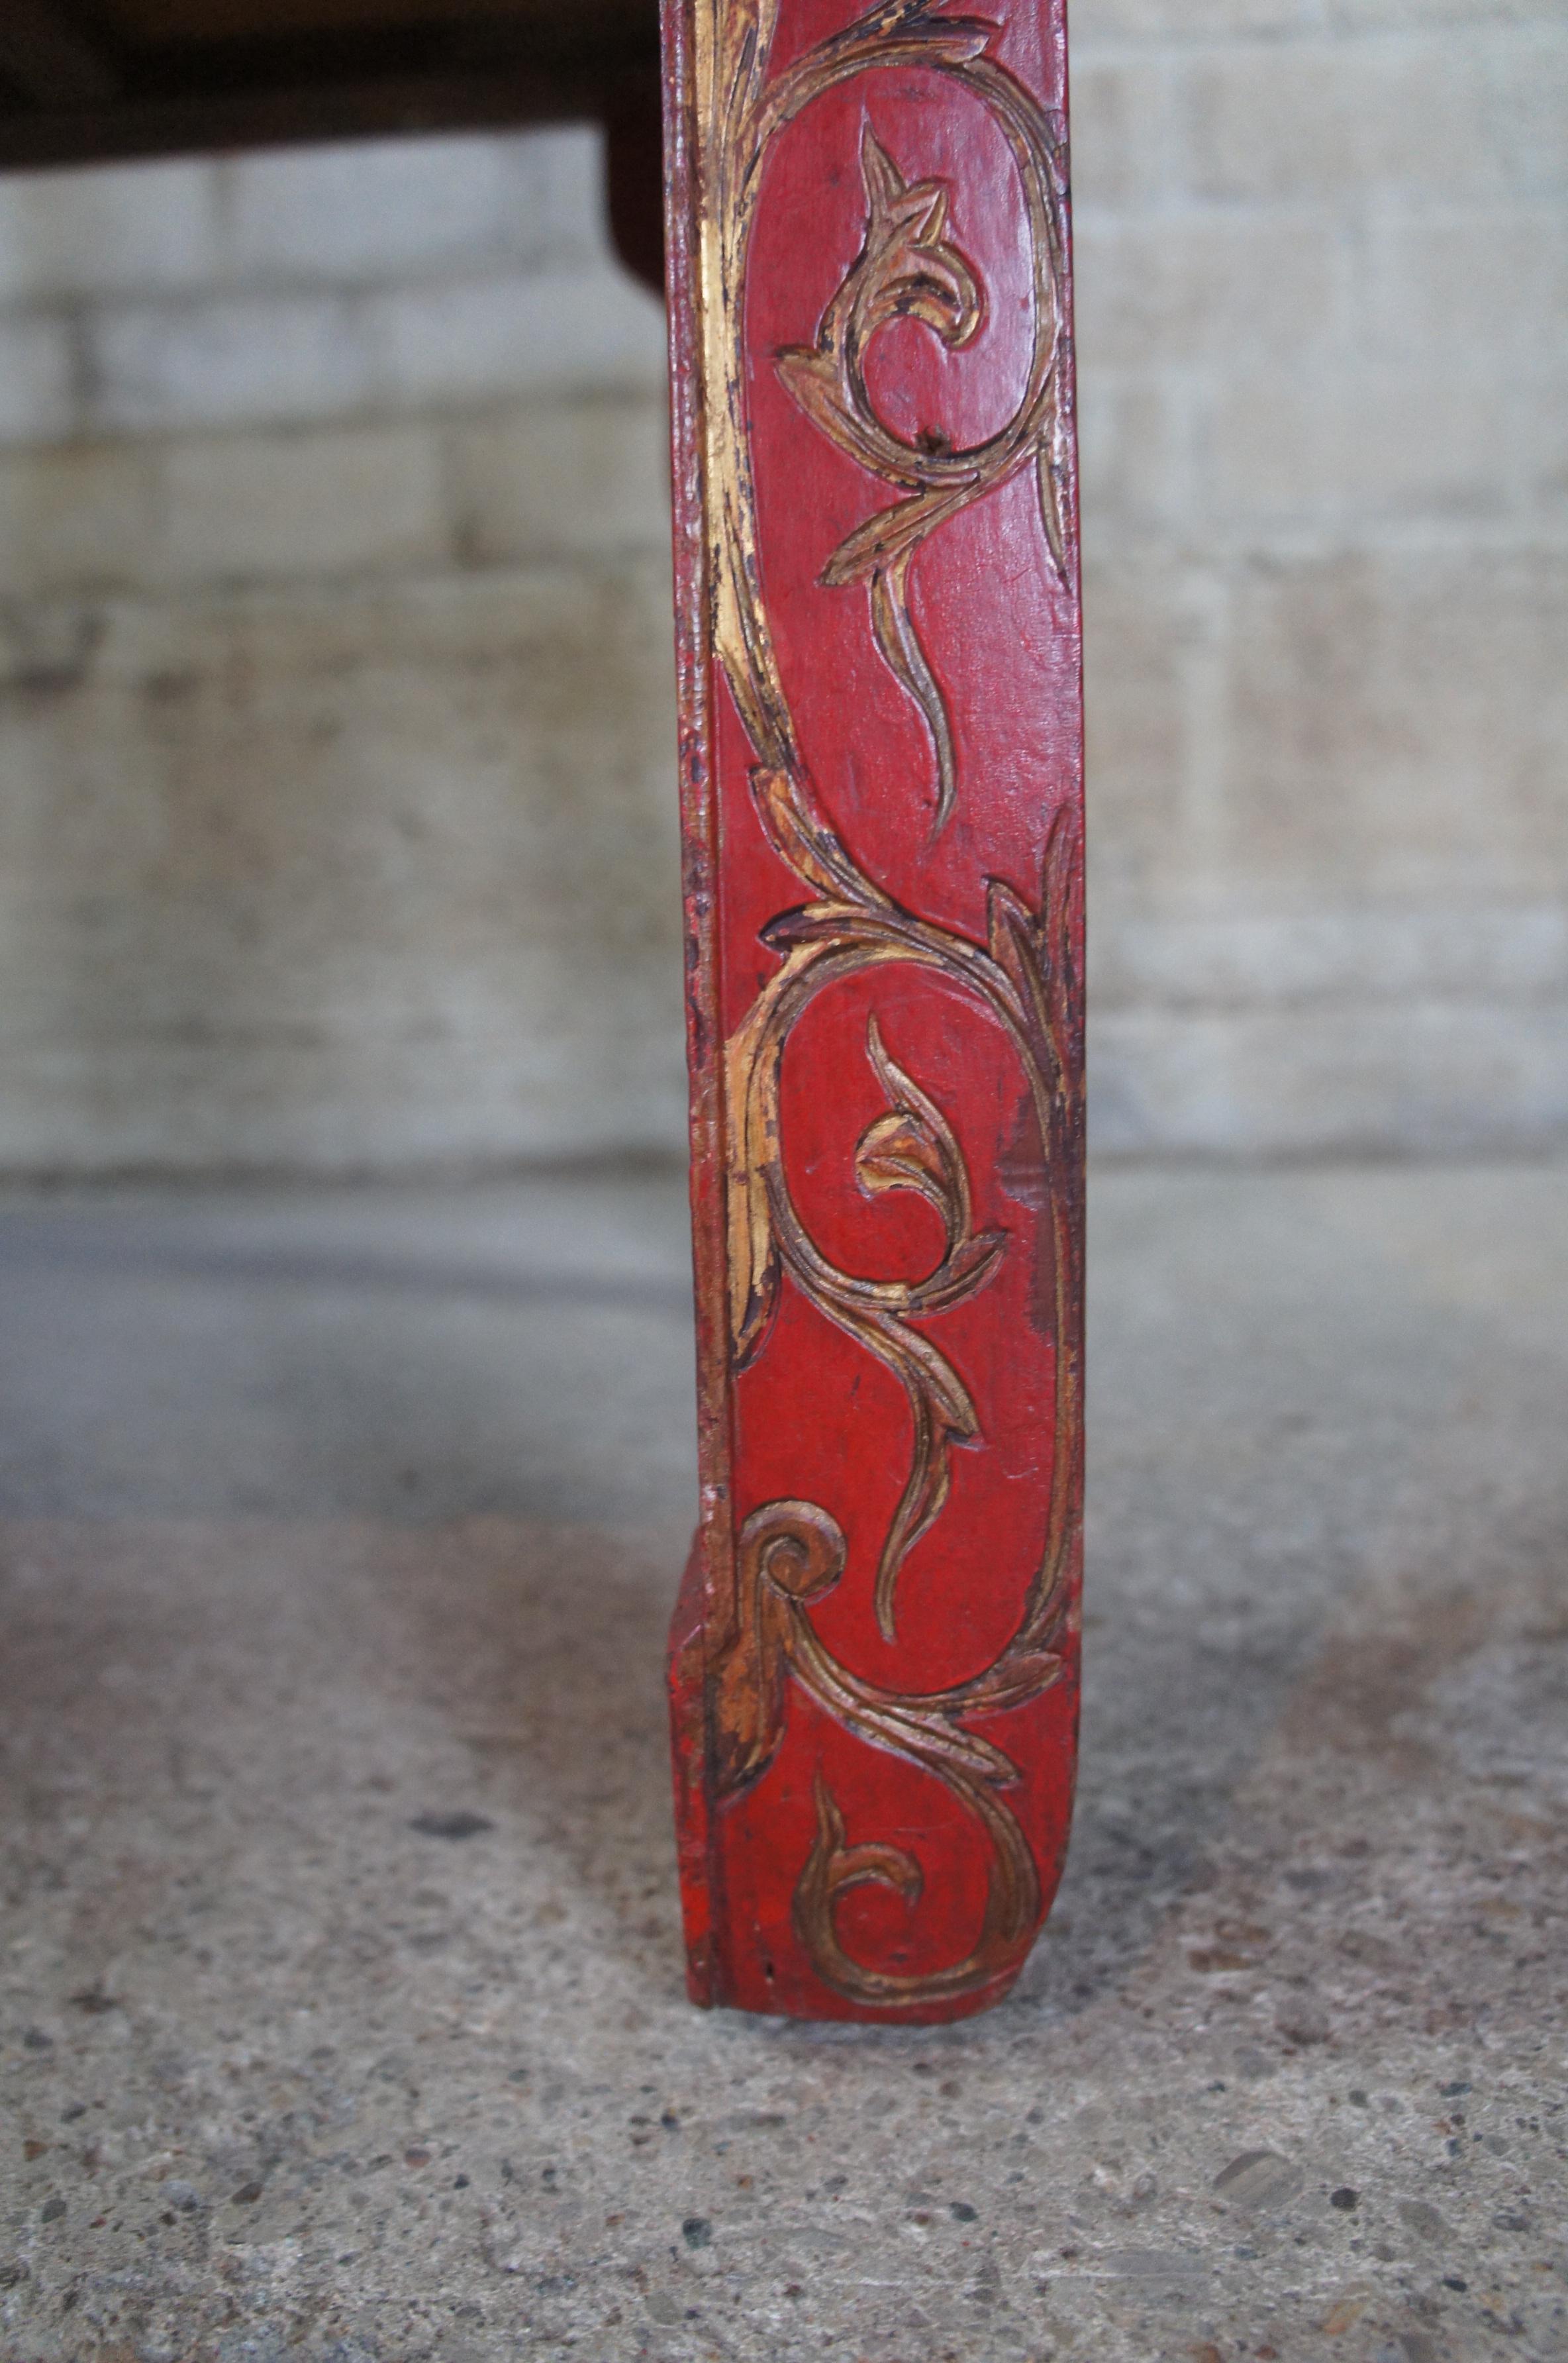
[(913, 1148), (896, 1153), (789, 1553), (889, 535), (846, 1865), (907, 269), (1036, 953), (1051, 475), (1023, 976), (801, 838), (899, 643), (834, 1866)]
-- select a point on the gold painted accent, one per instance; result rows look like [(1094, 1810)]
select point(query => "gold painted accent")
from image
[(906, 267), (789, 1552), (1023, 977), (905, 270)]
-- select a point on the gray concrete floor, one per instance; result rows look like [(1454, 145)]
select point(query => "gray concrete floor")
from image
[(330, 1517)]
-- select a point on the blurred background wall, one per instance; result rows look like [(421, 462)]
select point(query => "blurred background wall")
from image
[(337, 822), (336, 802), (1323, 277)]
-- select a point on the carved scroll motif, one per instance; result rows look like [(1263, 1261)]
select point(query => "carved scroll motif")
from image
[(1023, 977)]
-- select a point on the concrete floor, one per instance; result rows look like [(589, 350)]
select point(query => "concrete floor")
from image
[(337, 1524)]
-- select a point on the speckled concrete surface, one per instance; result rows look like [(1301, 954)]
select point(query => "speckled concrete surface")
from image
[(340, 2006)]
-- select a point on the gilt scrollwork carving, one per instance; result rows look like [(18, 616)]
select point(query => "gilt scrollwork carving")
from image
[(1021, 978)]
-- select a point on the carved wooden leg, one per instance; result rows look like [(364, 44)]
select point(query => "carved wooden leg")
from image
[(874, 1662)]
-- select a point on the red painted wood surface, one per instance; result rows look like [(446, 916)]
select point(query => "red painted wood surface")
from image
[(874, 1671)]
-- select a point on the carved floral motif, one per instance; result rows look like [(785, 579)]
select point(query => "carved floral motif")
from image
[(791, 1553)]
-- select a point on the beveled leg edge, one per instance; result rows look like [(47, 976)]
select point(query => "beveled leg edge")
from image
[(686, 1686)]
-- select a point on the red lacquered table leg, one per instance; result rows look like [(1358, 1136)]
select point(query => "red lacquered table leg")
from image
[(874, 1662)]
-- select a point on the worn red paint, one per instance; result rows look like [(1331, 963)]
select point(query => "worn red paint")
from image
[(805, 1861)]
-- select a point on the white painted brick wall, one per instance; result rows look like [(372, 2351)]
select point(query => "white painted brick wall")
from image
[(474, 341), (335, 709), (147, 228), (224, 360), (1324, 339), (336, 713), (38, 379), (310, 503), (367, 215)]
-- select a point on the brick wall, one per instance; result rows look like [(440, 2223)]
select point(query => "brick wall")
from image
[(335, 716), (1323, 312)]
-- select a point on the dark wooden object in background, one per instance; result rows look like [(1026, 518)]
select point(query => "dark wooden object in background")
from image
[(86, 82), (874, 1662)]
